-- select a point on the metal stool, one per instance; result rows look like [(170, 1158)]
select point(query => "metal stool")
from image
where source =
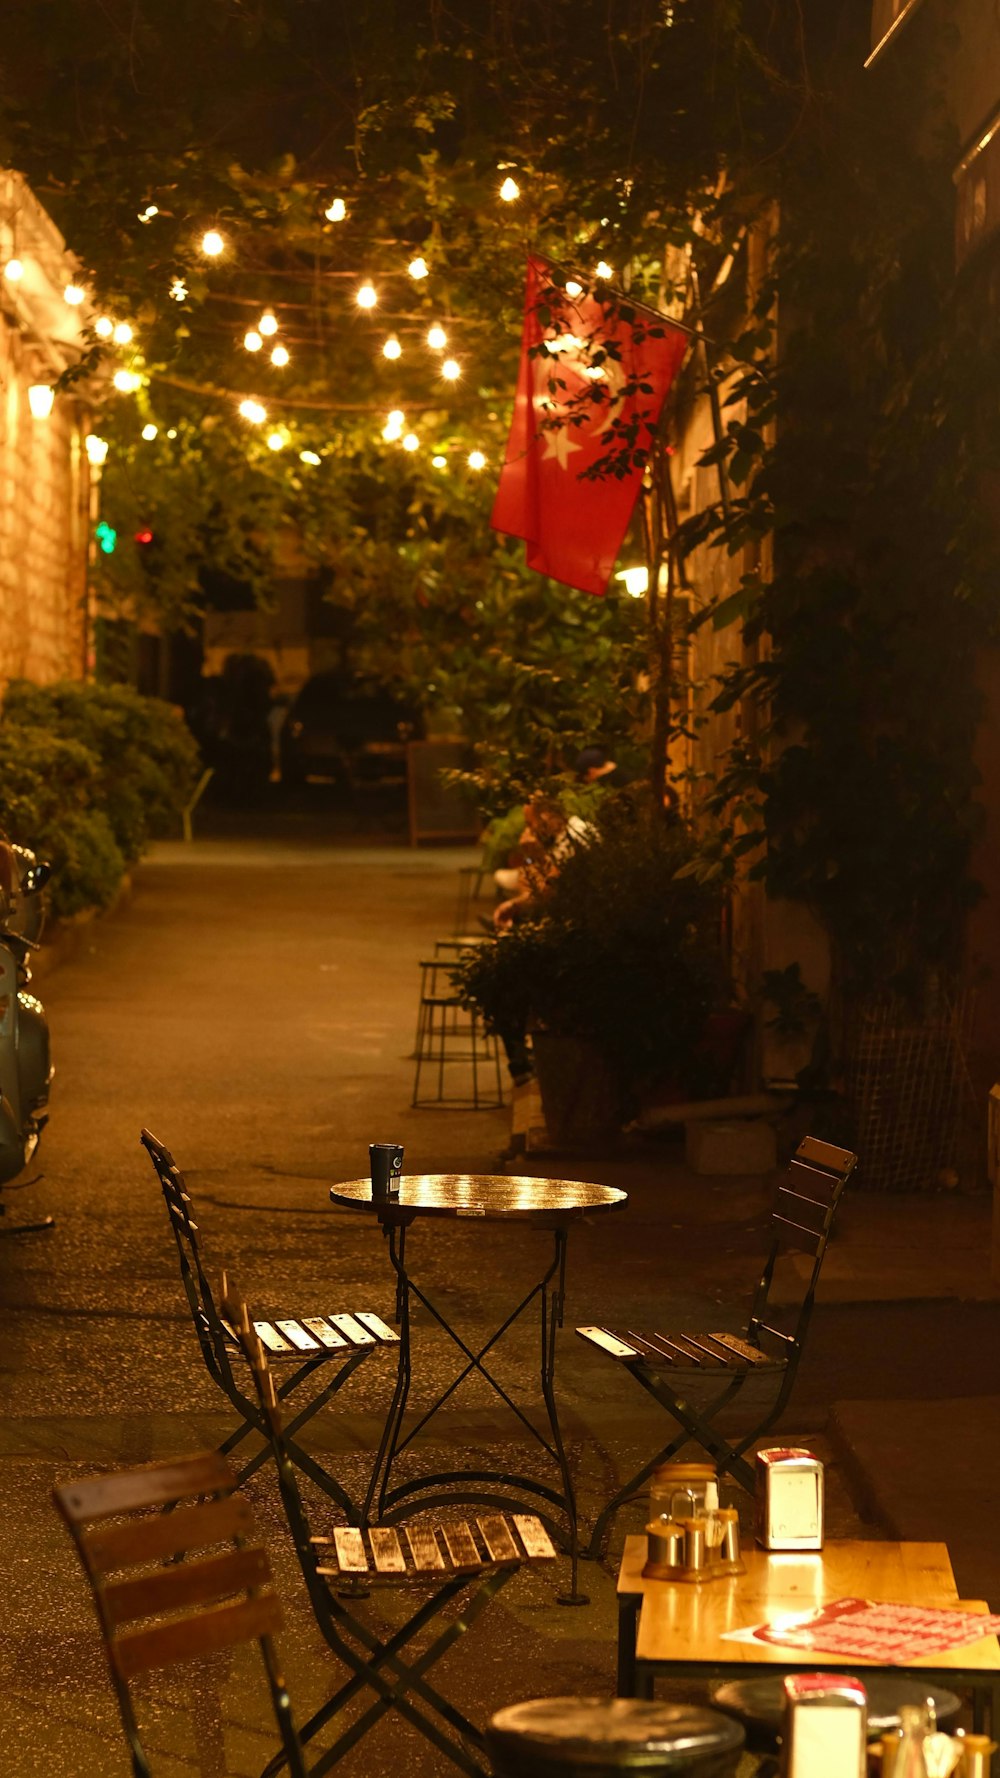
[(470, 884), (451, 1035), (602, 1737), (759, 1705)]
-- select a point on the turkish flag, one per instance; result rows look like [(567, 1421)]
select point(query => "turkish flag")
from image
[(592, 382)]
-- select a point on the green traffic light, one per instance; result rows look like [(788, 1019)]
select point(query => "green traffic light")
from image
[(107, 537)]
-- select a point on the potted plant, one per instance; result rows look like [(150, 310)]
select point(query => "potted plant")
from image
[(615, 973)]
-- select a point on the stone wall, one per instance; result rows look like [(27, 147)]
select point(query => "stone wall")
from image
[(45, 479)]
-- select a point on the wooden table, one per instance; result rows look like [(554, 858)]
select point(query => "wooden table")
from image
[(443, 1199), (667, 1627)]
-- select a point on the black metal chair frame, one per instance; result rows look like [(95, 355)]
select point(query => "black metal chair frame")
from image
[(379, 1664), (167, 1513), (802, 1221), (219, 1347), (449, 1035)]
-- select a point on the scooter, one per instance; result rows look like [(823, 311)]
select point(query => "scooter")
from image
[(25, 1063)]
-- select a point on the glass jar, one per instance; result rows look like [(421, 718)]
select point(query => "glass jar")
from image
[(677, 1490)]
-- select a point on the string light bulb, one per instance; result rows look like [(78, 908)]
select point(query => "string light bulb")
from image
[(252, 341), (122, 333), (126, 381), (74, 295), (337, 211), (392, 348), (392, 430), (411, 442), (104, 327), (212, 243), (418, 267), (275, 441), (437, 339), (440, 462), (366, 297), (149, 432), (603, 270), (268, 323), (476, 460), (96, 449), (573, 289), (280, 356), (40, 399), (149, 212), (311, 457), (451, 370), (510, 191), (179, 290), (636, 581), (13, 271), (252, 411), (172, 432)]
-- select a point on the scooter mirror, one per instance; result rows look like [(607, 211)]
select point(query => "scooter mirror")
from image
[(36, 877)]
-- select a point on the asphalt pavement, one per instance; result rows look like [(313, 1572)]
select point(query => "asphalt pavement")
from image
[(254, 1004)]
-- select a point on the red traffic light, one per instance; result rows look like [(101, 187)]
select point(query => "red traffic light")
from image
[(144, 536)]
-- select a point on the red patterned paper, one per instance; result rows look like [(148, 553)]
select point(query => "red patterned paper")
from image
[(877, 1631)]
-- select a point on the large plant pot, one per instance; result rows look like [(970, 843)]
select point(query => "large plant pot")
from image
[(580, 1095)]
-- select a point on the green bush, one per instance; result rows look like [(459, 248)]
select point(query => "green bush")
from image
[(88, 775), (147, 758), (623, 952)]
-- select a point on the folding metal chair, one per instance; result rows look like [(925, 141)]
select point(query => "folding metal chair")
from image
[(309, 1343), (460, 1565), (144, 1537), (670, 1366)]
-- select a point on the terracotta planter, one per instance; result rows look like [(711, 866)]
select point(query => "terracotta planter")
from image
[(580, 1096)]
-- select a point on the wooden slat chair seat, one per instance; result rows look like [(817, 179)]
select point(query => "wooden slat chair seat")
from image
[(321, 1350), (801, 1222), (176, 1573), (458, 1565)]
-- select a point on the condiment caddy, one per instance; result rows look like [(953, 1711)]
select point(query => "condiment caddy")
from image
[(690, 1537)]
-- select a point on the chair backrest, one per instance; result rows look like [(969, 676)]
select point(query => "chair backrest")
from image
[(197, 1288), (176, 1572), (801, 1222), (238, 1318)]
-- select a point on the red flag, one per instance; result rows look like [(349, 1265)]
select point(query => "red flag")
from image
[(590, 387)]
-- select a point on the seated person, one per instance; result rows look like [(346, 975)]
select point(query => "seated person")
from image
[(548, 839)]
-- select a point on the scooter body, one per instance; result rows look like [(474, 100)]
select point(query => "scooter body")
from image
[(25, 1061)]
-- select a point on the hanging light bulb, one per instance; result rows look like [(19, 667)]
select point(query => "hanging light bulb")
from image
[(96, 449), (126, 381), (476, 460), (366, 297), (392, 348), (212, 243), (275, 441), (268, 323), (440, 462), (437, 339), (411, 442), (40, 399), (573, 289), (603, 270), (172, 432), (252, 341), (104, 326), (311, 457), (252, 411), (510, 191), (392, 430), (418, 267), (74, 295), (13, 271), (179, 290), (280, 356), (451, 370), (122, 333), (149, 432), (149, 212), (636, 581), (396, 418), (337, 211)]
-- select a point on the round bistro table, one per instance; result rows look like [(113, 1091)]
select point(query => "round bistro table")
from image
[(554, 1205)]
